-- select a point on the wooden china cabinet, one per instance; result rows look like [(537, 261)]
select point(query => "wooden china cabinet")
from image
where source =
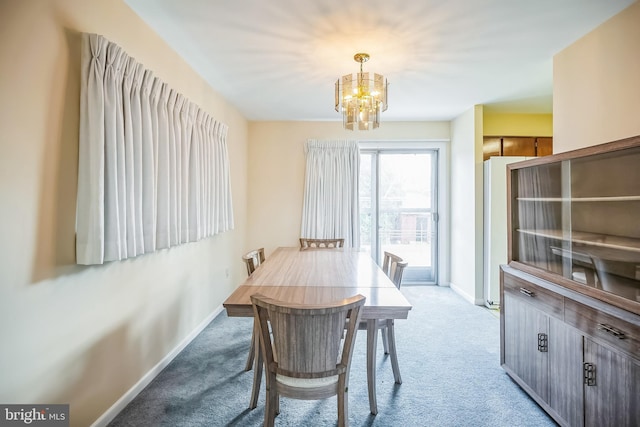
[(570, 295)]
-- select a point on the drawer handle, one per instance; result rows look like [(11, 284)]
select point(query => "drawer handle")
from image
[(527, 292), (611, 330)]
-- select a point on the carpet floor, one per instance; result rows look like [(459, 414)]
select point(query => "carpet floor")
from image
[(449, 356)]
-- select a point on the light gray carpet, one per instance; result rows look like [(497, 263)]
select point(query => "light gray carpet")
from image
[(449, 355)]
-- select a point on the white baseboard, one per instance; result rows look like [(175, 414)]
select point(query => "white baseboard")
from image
[(463, 294), (126, 398)]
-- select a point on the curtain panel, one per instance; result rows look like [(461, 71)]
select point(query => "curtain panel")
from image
[(330, 206), (153, 167)]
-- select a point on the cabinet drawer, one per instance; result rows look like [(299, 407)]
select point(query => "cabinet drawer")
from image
[(622, 334), (547, 301)]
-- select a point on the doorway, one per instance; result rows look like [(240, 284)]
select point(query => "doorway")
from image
[(399, 209)]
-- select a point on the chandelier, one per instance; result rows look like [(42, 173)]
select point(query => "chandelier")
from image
[(361, 97)]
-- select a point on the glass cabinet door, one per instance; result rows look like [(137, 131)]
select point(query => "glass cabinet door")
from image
[(580, 218), (537, 216)]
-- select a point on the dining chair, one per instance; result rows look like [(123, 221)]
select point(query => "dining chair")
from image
[(393, 266), (306, 350), (252, 259), (321, 243)]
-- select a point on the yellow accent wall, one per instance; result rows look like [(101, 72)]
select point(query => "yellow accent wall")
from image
[(508, 124), (76, 334)]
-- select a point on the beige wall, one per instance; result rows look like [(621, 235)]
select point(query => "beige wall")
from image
[(85, 335), (277, 167), (467, 205), (508, 124), (596, 85)]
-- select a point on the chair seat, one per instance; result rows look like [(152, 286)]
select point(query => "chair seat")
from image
[(306, 382)]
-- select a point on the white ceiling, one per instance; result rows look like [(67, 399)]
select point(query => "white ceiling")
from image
[(279, 59)]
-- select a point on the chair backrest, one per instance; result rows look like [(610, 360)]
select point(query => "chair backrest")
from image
[(253, 259), (321, 243), (306, 341), (393, 266)]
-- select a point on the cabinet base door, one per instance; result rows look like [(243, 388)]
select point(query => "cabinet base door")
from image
[(523, 324), (565, 373), (614, 398)]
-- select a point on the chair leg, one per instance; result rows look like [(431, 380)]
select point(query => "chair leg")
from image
[(392, 350), (270, 407), (385, 341), (257, 369), (343, 412), (252, 350)]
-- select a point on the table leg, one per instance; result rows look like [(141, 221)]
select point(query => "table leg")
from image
[(257, 367), (372, 342)]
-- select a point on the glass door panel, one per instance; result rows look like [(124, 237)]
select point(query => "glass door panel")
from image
[(398, 209)]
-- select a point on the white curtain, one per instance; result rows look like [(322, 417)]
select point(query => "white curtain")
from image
[(153, 167), (330, 207)]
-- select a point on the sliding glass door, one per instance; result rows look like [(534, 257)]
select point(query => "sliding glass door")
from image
[(398, 209)]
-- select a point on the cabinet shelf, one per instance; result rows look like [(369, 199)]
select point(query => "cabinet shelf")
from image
[(590, 239), (580, 199)]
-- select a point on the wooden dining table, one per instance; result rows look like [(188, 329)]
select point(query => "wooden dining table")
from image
[(320, 276)]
